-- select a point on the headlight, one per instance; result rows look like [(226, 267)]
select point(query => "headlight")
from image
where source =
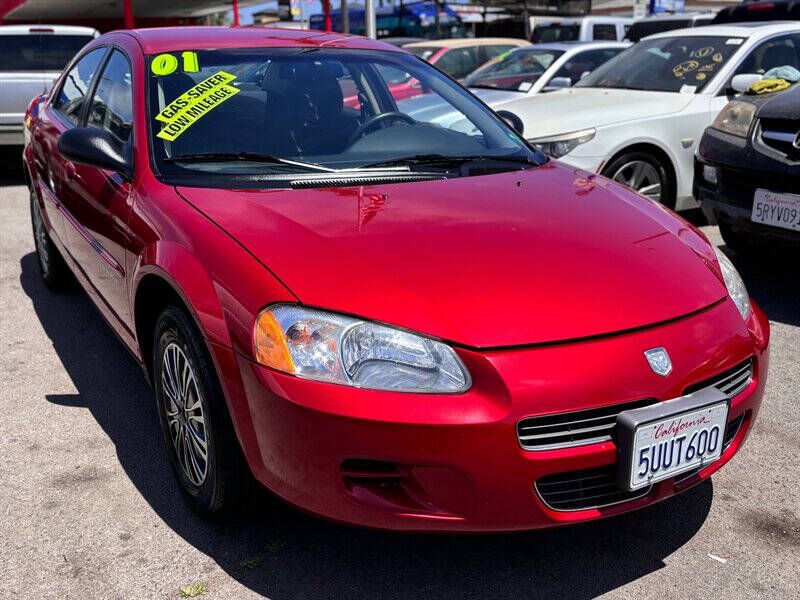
[(324, 346), (733, 281), (559, 145), (735, 118)]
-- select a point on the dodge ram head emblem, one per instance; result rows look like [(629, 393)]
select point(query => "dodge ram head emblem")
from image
[(659, 361)]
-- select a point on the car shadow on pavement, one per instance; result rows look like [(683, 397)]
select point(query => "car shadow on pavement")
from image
[(11, 166), (285, 554)]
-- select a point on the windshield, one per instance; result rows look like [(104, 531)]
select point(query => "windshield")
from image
[(39, 52), (516, 70), (671, 64), (556, 32), (264, 111)]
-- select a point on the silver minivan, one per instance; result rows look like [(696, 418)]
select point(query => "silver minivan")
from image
[(31, 59)]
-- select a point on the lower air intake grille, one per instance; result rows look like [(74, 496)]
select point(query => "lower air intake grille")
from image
[(579, 490), (731, 430)]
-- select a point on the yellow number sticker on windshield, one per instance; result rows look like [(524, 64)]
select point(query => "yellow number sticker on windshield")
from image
[(167, 64), (194, 103)]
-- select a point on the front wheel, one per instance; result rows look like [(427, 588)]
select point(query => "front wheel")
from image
[(645, 174), (201, 442)]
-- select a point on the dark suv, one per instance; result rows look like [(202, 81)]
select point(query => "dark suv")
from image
[(747, 170)]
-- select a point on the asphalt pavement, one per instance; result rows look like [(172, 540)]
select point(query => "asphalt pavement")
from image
[(88, 507)]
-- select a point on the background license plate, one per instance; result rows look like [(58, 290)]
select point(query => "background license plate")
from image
[(665, 448), (778, 210)]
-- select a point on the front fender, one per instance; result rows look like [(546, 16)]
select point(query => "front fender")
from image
[(189, 279)]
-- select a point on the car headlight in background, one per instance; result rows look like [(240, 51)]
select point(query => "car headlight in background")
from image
[(559, 145), (733, 281), (735, 118), (323, 346)]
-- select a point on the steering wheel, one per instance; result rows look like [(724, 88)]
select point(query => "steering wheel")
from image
[(376, 120)]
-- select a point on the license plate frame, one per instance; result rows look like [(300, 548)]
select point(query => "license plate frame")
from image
[(630, 422), (776, 209)]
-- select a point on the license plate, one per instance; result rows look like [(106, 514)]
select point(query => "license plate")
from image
[(664, 440), (776, 209)]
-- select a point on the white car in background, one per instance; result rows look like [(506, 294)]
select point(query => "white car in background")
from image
[(639, 117), (518, 74), (31, 59)]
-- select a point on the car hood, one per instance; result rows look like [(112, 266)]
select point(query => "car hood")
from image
[(574, 109), (510, 259), (492, 97), (783, 105), (430, 108)]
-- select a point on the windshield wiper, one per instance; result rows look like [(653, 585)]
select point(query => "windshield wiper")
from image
[(248, 157), (443, 159)]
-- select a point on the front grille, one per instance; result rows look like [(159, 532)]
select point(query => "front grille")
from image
[(579, 490), (780, 134), (578, 428), (573, 428), (731, 383)]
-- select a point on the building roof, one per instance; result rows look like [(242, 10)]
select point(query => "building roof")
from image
[(57, 10)]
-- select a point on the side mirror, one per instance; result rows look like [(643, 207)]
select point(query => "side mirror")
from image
[(96, 148), (740, 83), (557, 83), (512, 120)]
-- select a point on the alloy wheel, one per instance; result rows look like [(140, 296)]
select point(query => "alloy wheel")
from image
[(184, 410), (640, 176)]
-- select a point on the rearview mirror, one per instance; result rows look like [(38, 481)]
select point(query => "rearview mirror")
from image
[(740, 83), (512, 120), (96, 148)]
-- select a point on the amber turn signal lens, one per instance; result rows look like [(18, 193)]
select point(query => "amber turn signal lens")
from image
[(270, 344)]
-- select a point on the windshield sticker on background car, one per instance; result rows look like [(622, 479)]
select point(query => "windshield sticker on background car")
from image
[(703, 52), (193, 104), (688, 89), (734, 41), (525, 86), (687, 66)]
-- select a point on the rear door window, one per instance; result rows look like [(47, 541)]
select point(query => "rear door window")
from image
[(605, 31), (39, 51), (556, 32), (112, 105), (69, 100)]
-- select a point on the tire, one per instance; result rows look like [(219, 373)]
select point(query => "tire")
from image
[(215, 485), (642, 171), (54, 270)]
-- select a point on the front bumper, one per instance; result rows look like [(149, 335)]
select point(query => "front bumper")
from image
[(741, 169), (437, 462)]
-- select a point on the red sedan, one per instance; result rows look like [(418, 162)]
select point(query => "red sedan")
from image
[(387, 322)]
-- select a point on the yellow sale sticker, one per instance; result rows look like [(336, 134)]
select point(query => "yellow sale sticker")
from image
[(193, 95), (199, 108), (194, 103)]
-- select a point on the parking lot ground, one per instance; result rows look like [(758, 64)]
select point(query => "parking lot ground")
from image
[(88, 508)]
